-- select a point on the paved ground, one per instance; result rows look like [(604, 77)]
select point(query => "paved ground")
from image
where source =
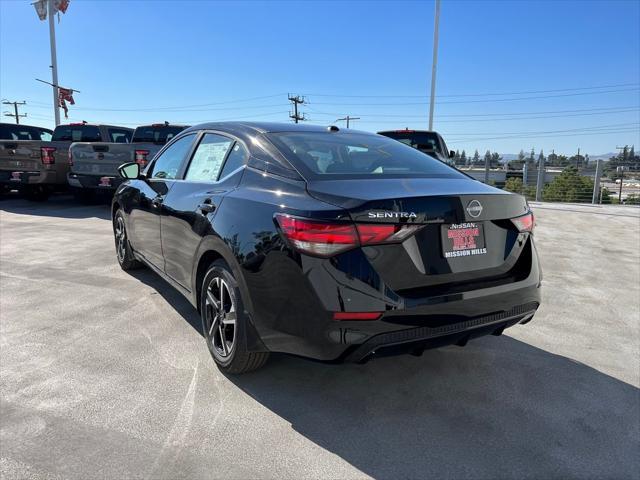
[(105, 375)]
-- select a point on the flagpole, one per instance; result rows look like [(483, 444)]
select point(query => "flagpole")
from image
[(54, 63)]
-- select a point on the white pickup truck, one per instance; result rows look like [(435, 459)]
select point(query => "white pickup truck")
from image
[(94, 165)]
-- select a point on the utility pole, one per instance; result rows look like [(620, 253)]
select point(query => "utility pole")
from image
[(434, 63), (54, 62), (295, 115), (16, 115), (347, 118), (578, 158)]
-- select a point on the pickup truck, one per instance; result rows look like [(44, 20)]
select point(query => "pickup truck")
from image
[(38, 165), (426, 141), (94, 165)]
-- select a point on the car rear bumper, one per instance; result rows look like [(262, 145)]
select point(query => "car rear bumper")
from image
[(296, 317), (21, 178), (96, 182)]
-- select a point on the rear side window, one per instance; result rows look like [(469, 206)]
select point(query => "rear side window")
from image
[(155, 134), (208, 158), (24, 132), (236, 159), (420, 140), (77, 133), (326, 155), (119, 135), (168, 163)]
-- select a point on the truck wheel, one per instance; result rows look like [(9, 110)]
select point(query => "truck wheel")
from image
[(224, 322), (124, 252), (37, 193)]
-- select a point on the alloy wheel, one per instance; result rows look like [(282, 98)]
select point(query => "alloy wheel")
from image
[(220, 315), (121, 238)]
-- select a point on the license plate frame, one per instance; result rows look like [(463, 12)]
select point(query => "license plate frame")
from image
[(463, 240)]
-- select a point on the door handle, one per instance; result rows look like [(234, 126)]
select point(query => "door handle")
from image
[(157, 201), (207, 207)]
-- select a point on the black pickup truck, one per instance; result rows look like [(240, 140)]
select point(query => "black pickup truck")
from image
[(37, 164)]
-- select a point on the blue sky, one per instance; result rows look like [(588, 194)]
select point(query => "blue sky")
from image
[(142, 61)]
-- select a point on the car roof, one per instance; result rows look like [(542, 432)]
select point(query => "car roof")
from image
[(265, 127), (408, 130)]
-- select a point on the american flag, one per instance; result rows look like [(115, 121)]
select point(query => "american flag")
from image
[(65, 95)]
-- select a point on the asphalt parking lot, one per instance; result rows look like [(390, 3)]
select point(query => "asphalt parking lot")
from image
[(105, 374)]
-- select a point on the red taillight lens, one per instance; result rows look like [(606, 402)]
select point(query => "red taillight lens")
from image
[(46, 155), (356, 315), (525, 223), (317, 238), (326, 239), (141, 157)]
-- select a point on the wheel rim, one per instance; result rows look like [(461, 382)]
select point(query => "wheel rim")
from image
[(121, 238), (220, 312)]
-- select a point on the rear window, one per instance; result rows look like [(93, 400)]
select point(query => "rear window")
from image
[(356, 155), (77, 133), (24, 132), (159, 135), (119, 135)]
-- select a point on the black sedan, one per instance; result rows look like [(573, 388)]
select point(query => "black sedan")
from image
[(332, 244)]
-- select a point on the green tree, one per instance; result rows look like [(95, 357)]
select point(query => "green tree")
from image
[(632, 199), (476, 158), (487, 158), (521, 156), (463, 158), (569, 186), (605, 196)]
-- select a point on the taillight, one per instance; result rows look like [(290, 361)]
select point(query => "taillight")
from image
[(525, 223), (141, 157), (324, 239), (46, 155), (70, 158)]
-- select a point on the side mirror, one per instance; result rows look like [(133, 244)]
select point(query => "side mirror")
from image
[(452, 154), (130, 171)]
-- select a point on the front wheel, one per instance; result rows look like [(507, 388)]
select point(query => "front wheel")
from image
[(124, 252), (224, 322)]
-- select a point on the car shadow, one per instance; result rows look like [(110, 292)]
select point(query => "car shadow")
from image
[(57, 205), (498, 408), (174, 298)]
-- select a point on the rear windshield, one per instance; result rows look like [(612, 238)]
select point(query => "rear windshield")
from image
[(424, 141), (24, 132), (159, 135), (77, 133), (356, 155)]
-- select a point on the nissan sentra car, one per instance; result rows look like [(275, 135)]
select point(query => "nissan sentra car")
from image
[(332, 244)]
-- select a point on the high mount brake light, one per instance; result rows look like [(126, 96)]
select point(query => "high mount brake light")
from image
[(46, 155), (525, 223), (141, 157), (356, 315), (325, 239)]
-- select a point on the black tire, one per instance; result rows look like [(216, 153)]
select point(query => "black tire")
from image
[(218, 327), (37, 193), (124, 252)]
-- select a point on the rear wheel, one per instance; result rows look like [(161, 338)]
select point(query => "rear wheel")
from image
[(123, 248), (224, 322)]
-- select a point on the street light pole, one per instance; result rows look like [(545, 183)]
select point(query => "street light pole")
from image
[(434, 63), (54, 62)]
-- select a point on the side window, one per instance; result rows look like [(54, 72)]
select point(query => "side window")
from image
[(208, 157), (237, 158), (45, 136), (168, 164)]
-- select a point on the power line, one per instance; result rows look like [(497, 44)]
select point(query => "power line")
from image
[(475, 94), (469, 140), (482, 101), (15, 113)]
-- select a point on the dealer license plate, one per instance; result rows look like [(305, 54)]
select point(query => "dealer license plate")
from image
[(463, 240)]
